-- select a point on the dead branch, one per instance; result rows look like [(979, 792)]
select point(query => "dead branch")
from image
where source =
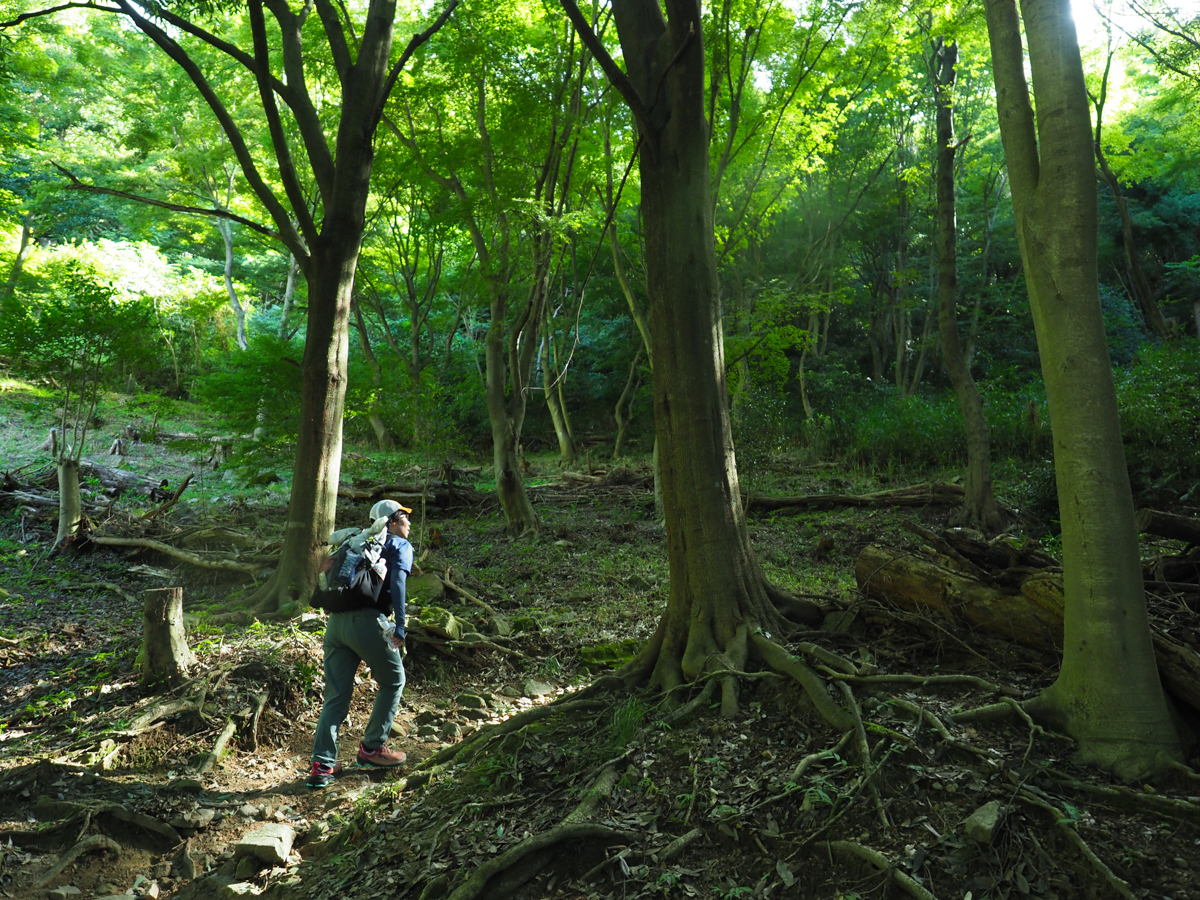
[(224, 565), (174, 498), (877, 859), (88, 844)]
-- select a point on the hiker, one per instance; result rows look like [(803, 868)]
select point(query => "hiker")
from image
[(362, 635)]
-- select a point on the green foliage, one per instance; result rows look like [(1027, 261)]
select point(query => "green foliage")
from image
[(259, 388), (1159, 423)]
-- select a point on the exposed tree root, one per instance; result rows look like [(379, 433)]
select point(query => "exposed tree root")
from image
[(1063, 823), (924, 715), (864, 751), (1126, 798), (927, 681), (470, 747), (475, 885), (260, 701), (88, 844), (877, 859), (780, 660), (160, 710), (207, 760), (678, 845)]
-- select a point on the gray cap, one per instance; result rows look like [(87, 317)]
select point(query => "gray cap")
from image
[(385, 509)]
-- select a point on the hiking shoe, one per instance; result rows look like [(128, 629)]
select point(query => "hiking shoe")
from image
[(383, 758), (322, 774)]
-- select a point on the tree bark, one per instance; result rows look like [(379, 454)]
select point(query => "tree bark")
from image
[(1108, 695), (165, 656), (979, 509), (70, 508), (313, 502), (718, 592), (289, 297)]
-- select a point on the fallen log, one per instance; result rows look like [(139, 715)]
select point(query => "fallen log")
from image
[(1168, 525), (1028, 612), (439, 493), (927, 494)]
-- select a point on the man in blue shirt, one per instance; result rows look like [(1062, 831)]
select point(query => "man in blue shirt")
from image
[(362, 635)]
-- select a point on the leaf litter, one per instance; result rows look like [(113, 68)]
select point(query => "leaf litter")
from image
[(699, 807)]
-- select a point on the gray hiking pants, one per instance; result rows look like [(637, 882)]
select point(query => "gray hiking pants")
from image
[(351, 637)]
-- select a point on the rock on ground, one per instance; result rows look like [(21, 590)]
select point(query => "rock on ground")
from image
[(271, 843)]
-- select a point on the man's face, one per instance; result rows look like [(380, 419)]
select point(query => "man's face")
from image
[(400, 526)]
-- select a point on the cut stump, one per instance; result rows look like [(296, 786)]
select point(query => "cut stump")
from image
[(165, 655)]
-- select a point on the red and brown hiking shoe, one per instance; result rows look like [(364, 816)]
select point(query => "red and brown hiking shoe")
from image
[(322, 774), (383, 758)]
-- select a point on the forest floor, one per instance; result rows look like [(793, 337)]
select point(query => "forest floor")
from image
[(768, 803)]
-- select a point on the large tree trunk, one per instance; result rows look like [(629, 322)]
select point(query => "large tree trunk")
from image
[(979, 509), (718, 594), (1108, 695), (313, 502)]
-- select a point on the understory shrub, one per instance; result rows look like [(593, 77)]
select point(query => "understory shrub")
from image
[(1160, 422)]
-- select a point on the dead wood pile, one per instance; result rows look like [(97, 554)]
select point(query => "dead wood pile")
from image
[(1015, 591)]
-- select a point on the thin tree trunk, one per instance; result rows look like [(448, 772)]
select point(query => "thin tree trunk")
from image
[(1108, 695), (624, 402), (383, 436), (18, 266), (70, 507), (979, 509), (289, 300), (226, 229), (1139, 285), (550, 387)]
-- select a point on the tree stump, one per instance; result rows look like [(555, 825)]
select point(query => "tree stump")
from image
[(165, 655)]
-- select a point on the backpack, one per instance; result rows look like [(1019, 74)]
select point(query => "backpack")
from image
[(352, 576)]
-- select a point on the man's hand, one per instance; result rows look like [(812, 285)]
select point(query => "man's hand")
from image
[(398, 643)]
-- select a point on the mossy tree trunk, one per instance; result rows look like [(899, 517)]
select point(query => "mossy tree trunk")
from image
[(1108, 695)]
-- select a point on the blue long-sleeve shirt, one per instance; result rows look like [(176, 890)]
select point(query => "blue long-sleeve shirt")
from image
[(398, 554)]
